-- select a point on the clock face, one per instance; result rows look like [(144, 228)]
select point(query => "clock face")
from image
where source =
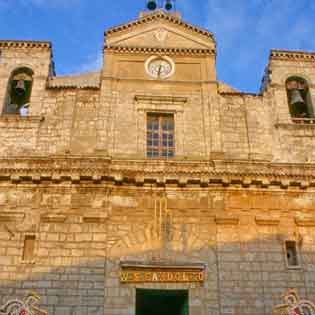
[(160, 67)]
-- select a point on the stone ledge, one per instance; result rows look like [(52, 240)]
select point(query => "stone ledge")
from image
[(95, 218), (53, 218), (265, 221), (156, 50), (310, 222), (226, 220), (160, 99), (25, 44), (184, 173), (11, 217), (140, 265), (10, 118), (292, 55), (295, 126)]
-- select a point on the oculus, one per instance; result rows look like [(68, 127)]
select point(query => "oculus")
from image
[(160, 67)]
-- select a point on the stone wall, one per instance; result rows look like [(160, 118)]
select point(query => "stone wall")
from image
[(74, 175), (91, 121), (83, 233)]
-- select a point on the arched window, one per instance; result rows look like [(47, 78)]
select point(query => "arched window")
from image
[(19, 92), (299, 99)]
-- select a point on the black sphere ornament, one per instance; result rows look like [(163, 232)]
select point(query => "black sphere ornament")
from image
[(168, 5), (151, 5)]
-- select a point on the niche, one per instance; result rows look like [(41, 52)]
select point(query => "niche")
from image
[(29, 248), (291, 254)]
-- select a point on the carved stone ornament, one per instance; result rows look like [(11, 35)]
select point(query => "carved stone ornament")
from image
[(161, 34), (27, 306), (294, 305)]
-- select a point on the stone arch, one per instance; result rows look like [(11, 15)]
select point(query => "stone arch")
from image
[(19, 91), (299, 98)]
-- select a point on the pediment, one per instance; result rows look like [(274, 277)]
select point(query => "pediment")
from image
[(160, 30)]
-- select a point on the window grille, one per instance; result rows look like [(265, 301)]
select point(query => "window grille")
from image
[(160, 136)]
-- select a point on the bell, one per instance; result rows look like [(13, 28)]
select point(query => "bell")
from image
[(296, 97), (151, 5), (20, 87), (168, 5)]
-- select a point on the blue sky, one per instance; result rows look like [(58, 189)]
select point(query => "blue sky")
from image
[(245, 30)]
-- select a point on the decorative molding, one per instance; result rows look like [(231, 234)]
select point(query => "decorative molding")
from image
[(308, 222), (247, 94), (227, 220), (292, 55), (25, 44), (267, 221), (159, 15), (295, 126), (167, 100), (53, 218), (10, 118), (100, 170), (160, 51), (129, 264), (95, 218), (11, 216)]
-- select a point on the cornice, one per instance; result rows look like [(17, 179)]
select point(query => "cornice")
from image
[(159, 50), (157, 172), (227, 220), (160, 99), (267, 221), (307, 222), (240, 94), (16, 118), (11, 217), (25, 44), (159, 15), (53, 218), (292, 55)]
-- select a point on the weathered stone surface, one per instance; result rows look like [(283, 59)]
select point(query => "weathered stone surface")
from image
[(74, 174)]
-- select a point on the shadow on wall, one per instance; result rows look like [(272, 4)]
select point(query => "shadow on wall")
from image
[(76, 267)]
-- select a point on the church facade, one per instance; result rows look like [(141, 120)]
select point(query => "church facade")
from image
[(150, 186)]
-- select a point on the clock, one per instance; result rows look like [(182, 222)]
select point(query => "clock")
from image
[(160, 67)]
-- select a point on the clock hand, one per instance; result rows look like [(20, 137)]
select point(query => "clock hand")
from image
[(160, 67)]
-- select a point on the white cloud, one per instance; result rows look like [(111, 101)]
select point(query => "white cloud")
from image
[(247, 30), (92, 63)]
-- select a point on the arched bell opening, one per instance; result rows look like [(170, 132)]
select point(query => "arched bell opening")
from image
[(299, 99), (19, 92)]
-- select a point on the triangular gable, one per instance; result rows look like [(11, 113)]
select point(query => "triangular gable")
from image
[(159, 29)]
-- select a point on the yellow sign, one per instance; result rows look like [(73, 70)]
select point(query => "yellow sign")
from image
[(144, 276)]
